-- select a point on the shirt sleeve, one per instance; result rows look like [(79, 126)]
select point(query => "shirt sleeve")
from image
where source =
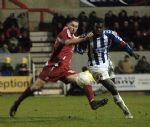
[(118, 41), (64, 35)]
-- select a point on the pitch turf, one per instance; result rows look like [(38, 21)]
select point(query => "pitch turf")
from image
[(47, 111)]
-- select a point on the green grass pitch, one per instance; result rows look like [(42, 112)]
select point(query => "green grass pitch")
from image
[(74, 111)]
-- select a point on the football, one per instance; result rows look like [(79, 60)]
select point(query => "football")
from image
[(85, 78)]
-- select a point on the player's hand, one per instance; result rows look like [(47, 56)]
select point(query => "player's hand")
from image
[(136, 56), (89, 36), (82, 35)]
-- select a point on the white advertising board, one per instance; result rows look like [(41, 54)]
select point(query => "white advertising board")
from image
[(129, 82), (133, 82)]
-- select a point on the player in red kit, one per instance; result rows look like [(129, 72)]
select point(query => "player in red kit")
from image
[(58, 66)]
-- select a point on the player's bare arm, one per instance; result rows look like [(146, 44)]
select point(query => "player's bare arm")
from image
[(79, 39)]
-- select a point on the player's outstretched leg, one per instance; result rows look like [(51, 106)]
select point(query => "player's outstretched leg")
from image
[(119, 101), (14, 107), (109, 84), (90, 95), (28, 92)]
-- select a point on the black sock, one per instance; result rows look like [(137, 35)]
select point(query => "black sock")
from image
[(25, 94)]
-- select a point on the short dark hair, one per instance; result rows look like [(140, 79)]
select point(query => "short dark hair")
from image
[(72, 19)]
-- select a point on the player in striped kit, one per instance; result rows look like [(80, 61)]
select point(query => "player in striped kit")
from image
[(100, 63)]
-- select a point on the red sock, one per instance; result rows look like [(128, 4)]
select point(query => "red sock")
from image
[(89, 93)]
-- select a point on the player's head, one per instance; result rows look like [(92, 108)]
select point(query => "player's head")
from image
[(73, 25), (98, 28)]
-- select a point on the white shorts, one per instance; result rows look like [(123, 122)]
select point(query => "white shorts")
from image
[(104, 70)]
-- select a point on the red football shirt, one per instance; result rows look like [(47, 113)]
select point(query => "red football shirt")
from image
[(63, 52)]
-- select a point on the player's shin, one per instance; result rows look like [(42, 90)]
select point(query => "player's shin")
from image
[(89, 93), (119, 101), (85, 79), (25, 94)]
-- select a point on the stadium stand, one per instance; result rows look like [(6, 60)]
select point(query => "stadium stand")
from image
[(41, 48)]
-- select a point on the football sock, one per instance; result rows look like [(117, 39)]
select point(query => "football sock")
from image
[(89, 93), (25, 94), (119, 101)]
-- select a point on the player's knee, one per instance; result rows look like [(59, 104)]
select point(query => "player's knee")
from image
[(113, 79), (109, 84), (37, 85), (113, 90), (83, 84), (85, 78), (35, 88)]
